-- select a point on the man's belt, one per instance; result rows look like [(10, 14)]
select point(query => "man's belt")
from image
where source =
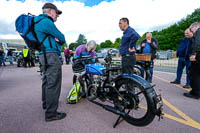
[(128, 54)]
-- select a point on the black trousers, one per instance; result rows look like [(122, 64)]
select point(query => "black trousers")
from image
[(51, 83), (194, 75), (127, 63), (67, 59), (27, 60)]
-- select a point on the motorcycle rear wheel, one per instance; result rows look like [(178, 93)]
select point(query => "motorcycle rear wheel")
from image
[(139, 111)]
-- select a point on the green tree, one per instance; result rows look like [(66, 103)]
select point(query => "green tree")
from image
[(106, 44), (98, 47), (63, 47), (81, 40), (117, 43), (73, 46), (170, 37)]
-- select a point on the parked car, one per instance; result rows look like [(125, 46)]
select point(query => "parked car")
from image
[(100, 54), (103, 52)]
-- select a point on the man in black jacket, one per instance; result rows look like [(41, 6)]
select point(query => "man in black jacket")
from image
[(194, 71), (149, 46)]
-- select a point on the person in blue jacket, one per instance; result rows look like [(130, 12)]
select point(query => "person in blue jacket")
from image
[(149, 46), (47, 32), (183, 58)]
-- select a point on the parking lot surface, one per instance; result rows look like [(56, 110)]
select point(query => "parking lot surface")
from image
[(21, 108)]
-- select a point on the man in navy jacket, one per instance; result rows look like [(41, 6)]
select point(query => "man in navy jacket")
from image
[(128, 46), (183, 60)]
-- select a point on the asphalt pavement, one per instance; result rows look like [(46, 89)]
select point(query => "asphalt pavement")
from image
[(21, 108)]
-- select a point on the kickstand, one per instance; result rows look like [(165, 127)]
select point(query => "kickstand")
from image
[(119, 120)]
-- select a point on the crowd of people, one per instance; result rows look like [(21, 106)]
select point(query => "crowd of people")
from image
[(28, 57), (188, 53)]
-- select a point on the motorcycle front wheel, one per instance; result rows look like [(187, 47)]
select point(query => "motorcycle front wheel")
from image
[(84, 85)]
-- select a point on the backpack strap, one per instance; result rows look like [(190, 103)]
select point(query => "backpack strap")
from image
[(34, 34), (43, 47), (45, 56)]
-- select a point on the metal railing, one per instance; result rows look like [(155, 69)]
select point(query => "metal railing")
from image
[(169, 65)]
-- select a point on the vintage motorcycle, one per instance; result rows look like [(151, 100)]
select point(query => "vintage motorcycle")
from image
[(129, 96)]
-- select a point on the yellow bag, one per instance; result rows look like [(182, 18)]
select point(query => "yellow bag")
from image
[(74, 96)]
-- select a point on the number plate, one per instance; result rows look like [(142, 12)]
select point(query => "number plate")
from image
[(158, 101)]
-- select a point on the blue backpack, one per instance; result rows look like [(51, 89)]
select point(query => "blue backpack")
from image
[(25, 26)]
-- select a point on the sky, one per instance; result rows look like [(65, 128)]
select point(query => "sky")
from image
[(98, 19)]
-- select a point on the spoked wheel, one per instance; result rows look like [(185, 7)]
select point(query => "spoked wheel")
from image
[(18, 63), (136, 105), (137, 70)]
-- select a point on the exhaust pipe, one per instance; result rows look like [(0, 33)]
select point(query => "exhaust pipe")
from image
[(113, 110), (110, 108)]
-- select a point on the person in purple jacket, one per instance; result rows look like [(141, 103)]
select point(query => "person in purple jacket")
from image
[(86, 49)]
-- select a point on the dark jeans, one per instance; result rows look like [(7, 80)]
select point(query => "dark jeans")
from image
[(67, 59), (127, 64), (181, 64), (150, 69), (2, 60), (194, 75), (51, 83), (32, 62)]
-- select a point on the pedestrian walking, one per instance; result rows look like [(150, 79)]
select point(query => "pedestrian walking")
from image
[(67, 55)]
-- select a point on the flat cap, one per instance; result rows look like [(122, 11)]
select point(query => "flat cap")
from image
[(52, 6)]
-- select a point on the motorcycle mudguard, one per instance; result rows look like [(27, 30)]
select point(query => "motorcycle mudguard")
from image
[(137, 79), (155, 100)]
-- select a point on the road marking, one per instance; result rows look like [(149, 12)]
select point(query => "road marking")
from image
[(186, 119), (179, 86)]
